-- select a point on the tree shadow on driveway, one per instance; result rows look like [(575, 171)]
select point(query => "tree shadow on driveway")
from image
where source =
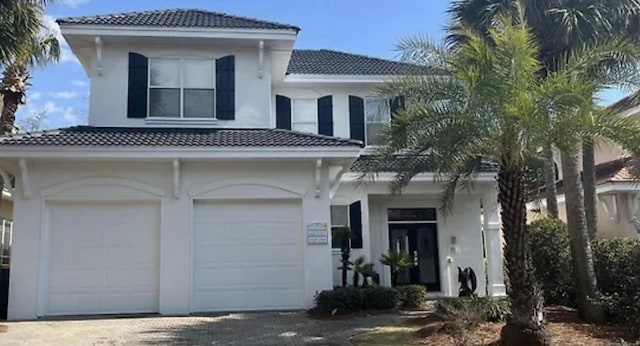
[(265, 328)]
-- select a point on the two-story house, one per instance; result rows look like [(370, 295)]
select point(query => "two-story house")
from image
[(216, 161)]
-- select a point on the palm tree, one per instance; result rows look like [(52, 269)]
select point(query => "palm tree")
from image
[(397, 262), (20, 20), (39, 50), (559, 26), (488, 102)]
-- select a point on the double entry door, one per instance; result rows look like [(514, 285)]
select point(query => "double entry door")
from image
[(420, 242)]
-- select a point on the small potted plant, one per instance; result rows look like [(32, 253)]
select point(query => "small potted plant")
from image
[(398, 262)]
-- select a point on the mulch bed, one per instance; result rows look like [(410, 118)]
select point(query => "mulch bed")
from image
[(566, 327)]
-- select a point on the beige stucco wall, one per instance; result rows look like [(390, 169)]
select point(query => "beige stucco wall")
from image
[(6, 209), (621, 227)]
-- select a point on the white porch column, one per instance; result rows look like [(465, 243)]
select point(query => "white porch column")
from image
[(493, 238), (366, 229)]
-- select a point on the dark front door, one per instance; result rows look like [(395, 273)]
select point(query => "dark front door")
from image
[(420, 241)]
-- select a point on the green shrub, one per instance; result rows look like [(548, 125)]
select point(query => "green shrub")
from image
[(379, 298), (548, 241), (616, 263), (473, 309), (346, 300), (411, 297)]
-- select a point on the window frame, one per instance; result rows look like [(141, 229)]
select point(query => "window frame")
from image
[(333, 226), (294, 122), (367, 122), (181, 87)]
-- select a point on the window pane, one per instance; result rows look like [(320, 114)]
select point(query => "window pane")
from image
[(165, 72), (377, 110), (305, 110), (164, 102), (339, 215), (375, 133), (198, 103), (199, 74)]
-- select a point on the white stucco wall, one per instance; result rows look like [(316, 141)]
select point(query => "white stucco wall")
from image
[(75, 180), (464, 222), (108, 97), (339, 92)]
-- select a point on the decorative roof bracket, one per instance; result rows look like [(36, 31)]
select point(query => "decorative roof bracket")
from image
[(336, 182), (98, 41), (260, 59), (26, 185), (318, 176)]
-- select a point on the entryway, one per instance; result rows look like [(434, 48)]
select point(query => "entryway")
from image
[(415, 232)]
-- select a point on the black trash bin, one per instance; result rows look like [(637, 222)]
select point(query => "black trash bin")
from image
[(4, 292)]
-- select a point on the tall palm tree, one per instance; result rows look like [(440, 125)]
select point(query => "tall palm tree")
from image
[(559, 26), (20, 20), (489, 102), (39, 50)]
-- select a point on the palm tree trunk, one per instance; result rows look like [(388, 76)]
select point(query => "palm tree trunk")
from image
[(14, 86), (587, 285), (589, 183), (550, 181), (524, 327)]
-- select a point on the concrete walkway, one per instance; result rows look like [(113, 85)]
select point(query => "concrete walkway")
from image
[(269, 328)]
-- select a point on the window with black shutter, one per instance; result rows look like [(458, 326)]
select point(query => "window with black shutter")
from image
[(356, 118), (137, 87), (325, 115), (283, 112), (225, 88)]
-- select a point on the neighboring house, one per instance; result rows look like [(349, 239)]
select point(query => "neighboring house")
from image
[(617, 186), (216, 160)]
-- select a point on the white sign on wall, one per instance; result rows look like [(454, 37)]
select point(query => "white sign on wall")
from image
[(317, 234)]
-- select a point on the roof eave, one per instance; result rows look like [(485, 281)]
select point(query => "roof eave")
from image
[(337, 78), (180, 32), (166, 152)]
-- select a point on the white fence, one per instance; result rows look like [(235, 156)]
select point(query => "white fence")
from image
[(5, 242)]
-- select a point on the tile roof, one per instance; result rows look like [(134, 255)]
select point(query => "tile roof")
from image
[(330, 62), (367, 162), (173, 137), (186, 18), (626, 103), (623, 170)]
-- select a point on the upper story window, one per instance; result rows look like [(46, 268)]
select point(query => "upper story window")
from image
[(304, 116), (377, 116), (182, 88)]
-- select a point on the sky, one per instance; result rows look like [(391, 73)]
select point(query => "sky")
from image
[(370, 27)]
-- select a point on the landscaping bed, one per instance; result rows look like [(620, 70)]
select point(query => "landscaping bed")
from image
[(566, 327)]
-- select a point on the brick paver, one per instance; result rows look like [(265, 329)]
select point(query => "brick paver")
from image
[(269, 328)]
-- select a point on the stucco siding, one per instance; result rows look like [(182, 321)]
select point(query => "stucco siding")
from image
[(108, 96), (153, 181)]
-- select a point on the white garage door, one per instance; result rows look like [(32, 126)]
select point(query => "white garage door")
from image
[(103, 258), (247, 255)]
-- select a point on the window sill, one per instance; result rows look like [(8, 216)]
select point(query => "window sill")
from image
[(182, 121)]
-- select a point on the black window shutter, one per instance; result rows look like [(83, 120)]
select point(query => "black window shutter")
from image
[(325, 115), (356, 117), (138, 86), (225, 88), (355, 223), (283, 112), (397, 104)]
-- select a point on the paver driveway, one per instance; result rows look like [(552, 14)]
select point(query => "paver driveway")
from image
[(270, 328)]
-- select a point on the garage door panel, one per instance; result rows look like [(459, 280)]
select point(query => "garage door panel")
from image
[(247, 255), (103, 258)]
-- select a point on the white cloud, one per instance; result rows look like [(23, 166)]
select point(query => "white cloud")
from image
[(79, 83), (51, 107), (72, 3), (35, 96), (65, 95), (66, 55)]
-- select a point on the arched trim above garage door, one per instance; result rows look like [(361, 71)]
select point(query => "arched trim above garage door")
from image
[(245, 189), (103, 188)]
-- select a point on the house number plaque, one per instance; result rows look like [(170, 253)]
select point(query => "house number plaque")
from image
[(317, 234)]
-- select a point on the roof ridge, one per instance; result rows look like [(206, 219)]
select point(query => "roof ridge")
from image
[(177, 10), (353, 54), (317, 135)]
